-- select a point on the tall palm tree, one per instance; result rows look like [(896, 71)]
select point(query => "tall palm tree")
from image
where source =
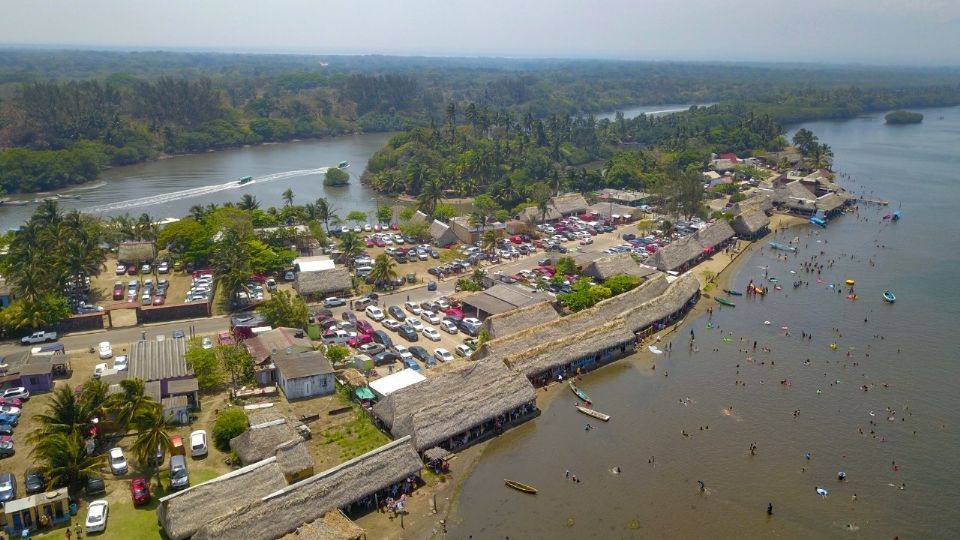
[(248, 202), (64, 460), (129, 403), (287, 197), (489, 241), (66, 413), (326, 212), (152, 432), (383, 271), (430, 195), (351, 245)]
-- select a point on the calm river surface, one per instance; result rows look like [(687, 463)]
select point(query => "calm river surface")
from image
[(169, 187), (912, 371)]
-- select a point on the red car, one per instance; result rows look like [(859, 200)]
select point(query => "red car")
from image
[(11, 401), (361, 339), (118, 291), (159, 300), (380, 243), (368, 242), (140, 491), (132, 270), (364, 327), (225, 338)]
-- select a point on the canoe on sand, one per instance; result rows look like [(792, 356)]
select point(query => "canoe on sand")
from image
[(580, 393), (520, 486)]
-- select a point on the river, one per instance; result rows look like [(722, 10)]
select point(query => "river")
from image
[(649, 110), (169, 187), (912, 370)]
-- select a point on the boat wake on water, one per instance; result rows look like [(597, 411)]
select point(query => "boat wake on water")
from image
[(198, 191)]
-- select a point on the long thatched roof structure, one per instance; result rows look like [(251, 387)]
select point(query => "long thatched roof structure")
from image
[(750, 222), (518, 320), (294, 458), (323, 282), (448, 404), (714, 234), (136, 252), (547, 355), (672, 300), (677, 254), (184, 512), (287, 509), (617, 264), (261, 440), (559, 206), (332, 526)]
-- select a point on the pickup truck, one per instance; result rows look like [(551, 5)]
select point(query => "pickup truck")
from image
[(39, 337)]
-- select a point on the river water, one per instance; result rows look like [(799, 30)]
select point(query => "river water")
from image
[(912, 371), (169, 187)]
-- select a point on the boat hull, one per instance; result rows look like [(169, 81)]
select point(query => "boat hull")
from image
[(595, 414), (521, 487), (724, 301)]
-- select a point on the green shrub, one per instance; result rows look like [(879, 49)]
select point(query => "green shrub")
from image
[(229, 424)]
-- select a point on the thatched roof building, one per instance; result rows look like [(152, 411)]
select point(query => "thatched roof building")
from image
[(677, 254), (288, 509), (752, 223), (617, 264), (453, 402), (681, 291), (184, 512), (262, 416), (332, 526), (442, 234), (796, 197), (831, 203), (294, 459), (544, 356), (323, 283), (714, 234), (353, 377), (559, 206), (518, 320), (261, 440), (137, 252)]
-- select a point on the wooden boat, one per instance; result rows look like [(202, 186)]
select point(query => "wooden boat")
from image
[(783, 247), (580, 393), (732, 292), (850, 282), (819, 222), (519, 486), (596, 414), (724, 301), (889, 296), (245, 180)]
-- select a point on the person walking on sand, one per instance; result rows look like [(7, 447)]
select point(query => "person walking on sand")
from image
[(769, 509)]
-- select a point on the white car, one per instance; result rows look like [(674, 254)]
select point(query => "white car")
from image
[(463, 350), (413, 307), (98, 370), (431, 333), (10, 409), (206, 343), (448, 326), (118, 463), (121, 269), (198, 443), (97, 516), (105, 350), (391, 324), (375, 313), (415, 324), (17, 392), (430, 317), (120, 362), (442, 355)]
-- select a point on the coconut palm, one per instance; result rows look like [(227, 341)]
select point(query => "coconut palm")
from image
[(326, 212), (66, 413), (129, 403), (64, 460), (383, 271), (152, 432), (248, 202), (351, 245), (430, 195), (489, 241), (287, 197)]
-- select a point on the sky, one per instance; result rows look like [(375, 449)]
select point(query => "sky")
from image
[(903, 32)]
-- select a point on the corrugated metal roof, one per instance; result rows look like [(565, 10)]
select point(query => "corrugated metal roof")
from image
[(155, 360)]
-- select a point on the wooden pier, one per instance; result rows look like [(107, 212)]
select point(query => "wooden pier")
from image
[(869, 200)]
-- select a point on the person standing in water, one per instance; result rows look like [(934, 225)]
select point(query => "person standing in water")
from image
[(769, 509)]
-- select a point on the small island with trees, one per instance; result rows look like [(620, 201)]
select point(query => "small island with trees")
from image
[(903, 117)]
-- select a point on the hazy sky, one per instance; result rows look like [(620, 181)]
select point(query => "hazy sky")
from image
[(871, 31)]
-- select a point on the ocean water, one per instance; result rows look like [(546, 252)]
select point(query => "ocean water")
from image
[(896, 441)]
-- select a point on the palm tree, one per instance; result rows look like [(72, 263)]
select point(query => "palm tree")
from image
[(351, 246), (248, 202), (66, 413), (129, 403), (152, 432), (65, 461), (383, 271), (489, 241), (326, 212), (287, 197), (430, 195)]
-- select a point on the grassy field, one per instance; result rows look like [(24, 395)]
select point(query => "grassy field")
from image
[(355, 438)]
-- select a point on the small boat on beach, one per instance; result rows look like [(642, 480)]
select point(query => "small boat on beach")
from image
[(732, 292), (596, 414), (724, 301), (889, 297), (343, 164), (783, 247), (245, 180), (520, 486), (580, 393), (819, 222)]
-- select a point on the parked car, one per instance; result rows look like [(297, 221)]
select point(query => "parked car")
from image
[(120, 362), (164, 267), (118, 462), (121, 269), (179, 476), (359, 339), (371, 349), (408, 332), (463, 350), (206, 343), (6, 448), (118, 290), (397, 313), (6, 430), (431, 333), (421, 354), (448, 326), (430, 317), (381, 337), (334, 301), (97, 516), (34, 482), (10, 409), (442, 355), (140, 491), (9, 419), (338, 337), (363, 327), (99, 369), (11, 401), (431, 285), (413, 307), (95, 485), (391, 324), (106, 351), (17, 392), (198, 443), (8, 487), (415, 324)]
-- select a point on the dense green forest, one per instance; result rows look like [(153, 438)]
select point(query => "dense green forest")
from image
[(65, 115), (903, 117)]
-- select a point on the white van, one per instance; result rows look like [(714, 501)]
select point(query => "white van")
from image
[(364, 271)]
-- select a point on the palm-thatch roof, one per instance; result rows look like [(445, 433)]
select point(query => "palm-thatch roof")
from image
[(559, 206), (332, 526), (547, 355), (263, 345), (294, 458), (263, 416), (183, 512), (608, 210), (671, 301), (677, 254), (617, 264), (448, 404), (749, 223), (714, 234), (136, 252), (796, 196), (830, 202), (323, 282), (261, 440), (353, 377), (441, 233), (582, 321), (518, 320), (501, 298), (286, 510)]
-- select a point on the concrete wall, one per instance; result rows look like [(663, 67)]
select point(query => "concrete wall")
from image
[(174, 312), (80, 323)]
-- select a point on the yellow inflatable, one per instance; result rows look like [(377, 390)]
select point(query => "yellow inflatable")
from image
[(851, 282), (833, 346)]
